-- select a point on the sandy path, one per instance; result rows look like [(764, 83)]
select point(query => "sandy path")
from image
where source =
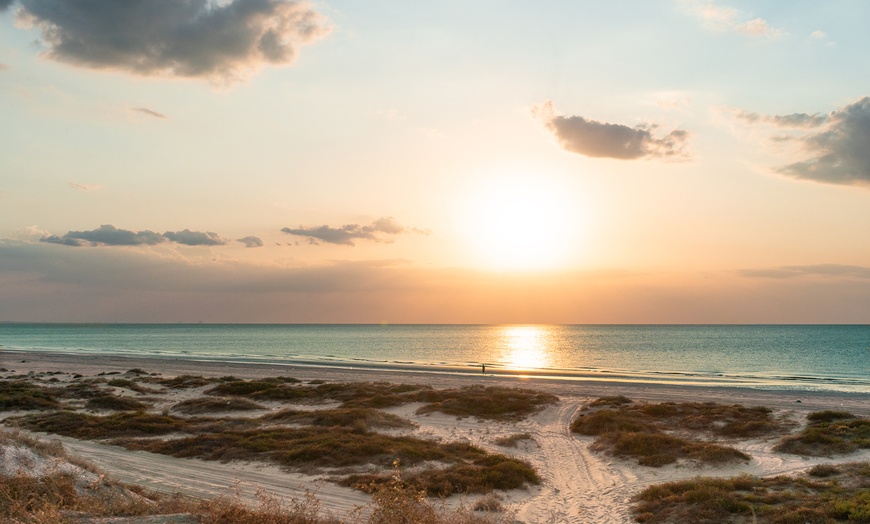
[(207, 480)]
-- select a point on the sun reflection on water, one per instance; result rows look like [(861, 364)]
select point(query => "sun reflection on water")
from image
[(526, 347)]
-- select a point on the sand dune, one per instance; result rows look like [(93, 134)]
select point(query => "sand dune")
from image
[(579, 485)]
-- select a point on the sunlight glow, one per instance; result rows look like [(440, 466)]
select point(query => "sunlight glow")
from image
[(519, 223), (526, 347)]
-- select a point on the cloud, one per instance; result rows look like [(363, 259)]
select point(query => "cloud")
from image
[(346, 234), (818, 35), (725, 18), (194, 238), (827, 270), (601, 139), (149, 112), (222, 41), (3, 66), (107, 235), (85, 187), (836, 145), (4, 4), (792, 120), (251, 241)]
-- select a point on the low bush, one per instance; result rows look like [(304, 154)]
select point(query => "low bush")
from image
[(828, 433), (115, 403), (356, 418), (22, 395), (198, 406), (775, 500)]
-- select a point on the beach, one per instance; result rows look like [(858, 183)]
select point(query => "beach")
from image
[(577, 484)]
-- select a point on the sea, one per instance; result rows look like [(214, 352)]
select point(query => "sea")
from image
[(791, 357)]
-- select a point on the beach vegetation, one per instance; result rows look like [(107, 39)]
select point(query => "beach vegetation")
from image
[(184, 381), (198, 406), (25, 396), (511, 441), (647, 431), (123, 424), (828, 433), (493, 402), (114, 403), (844, 496), (357, 418), (490, 402), (618, 400)]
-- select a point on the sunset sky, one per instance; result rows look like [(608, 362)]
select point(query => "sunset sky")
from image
[(668, 161)]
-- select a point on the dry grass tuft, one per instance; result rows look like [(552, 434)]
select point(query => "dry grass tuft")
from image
[(358, 418), (511, 441), (198, 406), (828, 433), (843, 497), (644, 431), (23, 395)]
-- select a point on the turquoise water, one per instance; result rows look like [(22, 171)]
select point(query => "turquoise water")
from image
[(792, 356)]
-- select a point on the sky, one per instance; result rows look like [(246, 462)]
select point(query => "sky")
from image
[(673, 161)]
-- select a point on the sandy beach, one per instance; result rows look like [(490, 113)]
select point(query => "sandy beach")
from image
[(578, 484)]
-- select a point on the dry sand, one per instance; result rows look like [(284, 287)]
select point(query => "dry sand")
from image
[(578, 485)]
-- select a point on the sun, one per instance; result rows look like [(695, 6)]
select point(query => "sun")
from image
[(519, 223)]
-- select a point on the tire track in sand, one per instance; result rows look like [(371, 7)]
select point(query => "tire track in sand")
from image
[(578, 486)]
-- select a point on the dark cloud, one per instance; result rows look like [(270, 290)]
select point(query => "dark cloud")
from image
[(106, 235), (109, 235), (251, 241), (194, 238), (830, 270), (346, 234), (150, 112), (601, 139), (839, 153), (222, 41), (4, 4)]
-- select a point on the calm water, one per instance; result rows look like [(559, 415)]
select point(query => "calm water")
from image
[(795, 357)]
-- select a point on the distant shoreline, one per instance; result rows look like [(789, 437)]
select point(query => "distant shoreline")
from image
[(606, 383)]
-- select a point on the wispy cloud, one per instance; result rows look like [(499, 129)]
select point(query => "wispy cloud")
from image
[(222, 41), (792, 120), (601, 139), (85, 187), (348, 233), (150, 112), (836, 146), (723, 18), (828, 270), (109, 235)]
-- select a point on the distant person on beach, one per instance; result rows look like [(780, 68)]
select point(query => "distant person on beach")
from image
[(483, 369)]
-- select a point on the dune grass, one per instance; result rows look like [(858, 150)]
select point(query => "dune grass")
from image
[(124, 424), (646, 432), (25, 396), (511, 441), (844, 496), (493, 402), (358, 418), (198, 406), (828, 433), (115, 403)]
